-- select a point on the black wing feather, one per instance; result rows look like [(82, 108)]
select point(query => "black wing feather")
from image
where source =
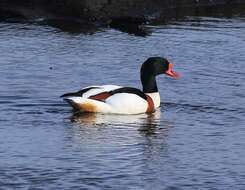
[(129, 90), (78, 93)]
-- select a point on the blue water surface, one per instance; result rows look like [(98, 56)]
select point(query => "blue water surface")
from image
[(194, 141)]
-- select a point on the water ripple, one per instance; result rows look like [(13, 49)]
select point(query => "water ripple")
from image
[(194, 141)]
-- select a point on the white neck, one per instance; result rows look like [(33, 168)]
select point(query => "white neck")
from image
[(155, 96)]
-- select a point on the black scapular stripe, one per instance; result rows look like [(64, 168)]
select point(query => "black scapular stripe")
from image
[(129, 90), (78, 93)]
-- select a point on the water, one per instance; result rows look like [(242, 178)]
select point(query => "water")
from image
[(194, 141)]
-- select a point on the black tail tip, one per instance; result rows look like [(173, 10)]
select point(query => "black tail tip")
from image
[(66, 95), (69, 94)]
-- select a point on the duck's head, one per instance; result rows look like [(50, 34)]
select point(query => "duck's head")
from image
[(152, 67)]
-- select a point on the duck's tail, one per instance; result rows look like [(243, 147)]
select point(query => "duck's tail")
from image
[(86, 104)]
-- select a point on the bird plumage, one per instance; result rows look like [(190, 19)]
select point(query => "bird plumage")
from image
[(123, 100)]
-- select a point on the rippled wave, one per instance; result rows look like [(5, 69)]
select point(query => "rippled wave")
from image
[(194, 141)]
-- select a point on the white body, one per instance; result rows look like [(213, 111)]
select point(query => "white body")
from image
[(121, 103)]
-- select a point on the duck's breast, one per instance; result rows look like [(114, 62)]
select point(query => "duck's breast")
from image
[(155, 96)]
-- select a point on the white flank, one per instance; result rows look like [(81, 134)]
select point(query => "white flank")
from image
[(125, 103)]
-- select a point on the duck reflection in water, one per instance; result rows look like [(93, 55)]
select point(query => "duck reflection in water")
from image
[(146, 123)]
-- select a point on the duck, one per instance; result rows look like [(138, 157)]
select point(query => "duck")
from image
[(114, 99)]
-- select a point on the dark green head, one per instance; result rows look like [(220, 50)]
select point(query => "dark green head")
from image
[(152, 67)]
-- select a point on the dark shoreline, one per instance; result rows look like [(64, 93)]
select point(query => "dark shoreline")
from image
[(118, 11), (129, 16)]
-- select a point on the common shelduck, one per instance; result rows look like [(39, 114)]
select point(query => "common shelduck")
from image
[(124, 100)]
